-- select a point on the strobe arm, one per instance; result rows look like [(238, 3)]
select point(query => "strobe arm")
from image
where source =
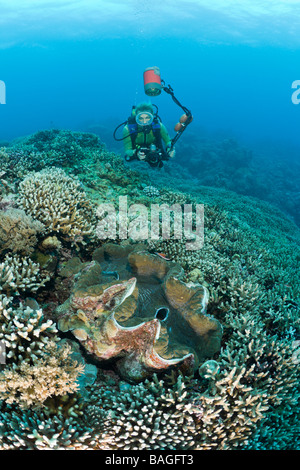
[(185, 119)]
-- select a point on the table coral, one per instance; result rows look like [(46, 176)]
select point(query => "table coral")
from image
[(149, 320)]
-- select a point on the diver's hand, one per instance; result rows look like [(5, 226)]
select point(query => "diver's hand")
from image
[(129, 155), (141, 155), (171, 153)]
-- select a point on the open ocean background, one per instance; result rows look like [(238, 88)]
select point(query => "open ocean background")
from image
[(79, 65), (71, 62)]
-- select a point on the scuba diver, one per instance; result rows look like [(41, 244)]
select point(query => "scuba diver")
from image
[(145, 136)]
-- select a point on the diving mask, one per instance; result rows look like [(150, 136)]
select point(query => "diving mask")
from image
[(144, 118)]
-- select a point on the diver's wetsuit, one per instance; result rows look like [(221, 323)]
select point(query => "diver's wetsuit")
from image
[(143, 139)]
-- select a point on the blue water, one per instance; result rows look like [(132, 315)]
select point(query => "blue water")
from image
[(69, 63)]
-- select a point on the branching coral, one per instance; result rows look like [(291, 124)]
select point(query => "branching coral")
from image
[(18, 232), (252, 276), (34, 430), (4, 185), (53, 374), (21, 274), (256, 377), (59, 202), (147, 416), (36, 367), (24, 331)]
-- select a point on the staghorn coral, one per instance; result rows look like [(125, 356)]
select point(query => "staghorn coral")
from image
[(52, 375), (147, 416), (36, 367), (23, 330), (280, 430), (35, 430), (58, 201), (21, 274), (152, 321), (144, 416), (260, 377), (18, 232)]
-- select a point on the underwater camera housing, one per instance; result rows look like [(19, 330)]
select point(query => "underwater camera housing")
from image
[(153, 156)]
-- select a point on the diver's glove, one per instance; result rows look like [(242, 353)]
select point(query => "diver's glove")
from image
[(171, 152), (130, 155)]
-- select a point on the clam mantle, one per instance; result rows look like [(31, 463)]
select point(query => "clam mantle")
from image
[(147, 320)]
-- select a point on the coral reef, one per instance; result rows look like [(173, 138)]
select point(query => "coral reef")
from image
[(150, 322), (18, 232), (260, 378), (223, 163), (151, 191), (54, 374), (21, 274), (48, 148), (242, 395), (63, 142), (59, 202), (36, 367), (4, 185), (147, 416), (35, 430)]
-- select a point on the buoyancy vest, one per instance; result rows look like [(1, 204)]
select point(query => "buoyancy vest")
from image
[(155, 127)]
